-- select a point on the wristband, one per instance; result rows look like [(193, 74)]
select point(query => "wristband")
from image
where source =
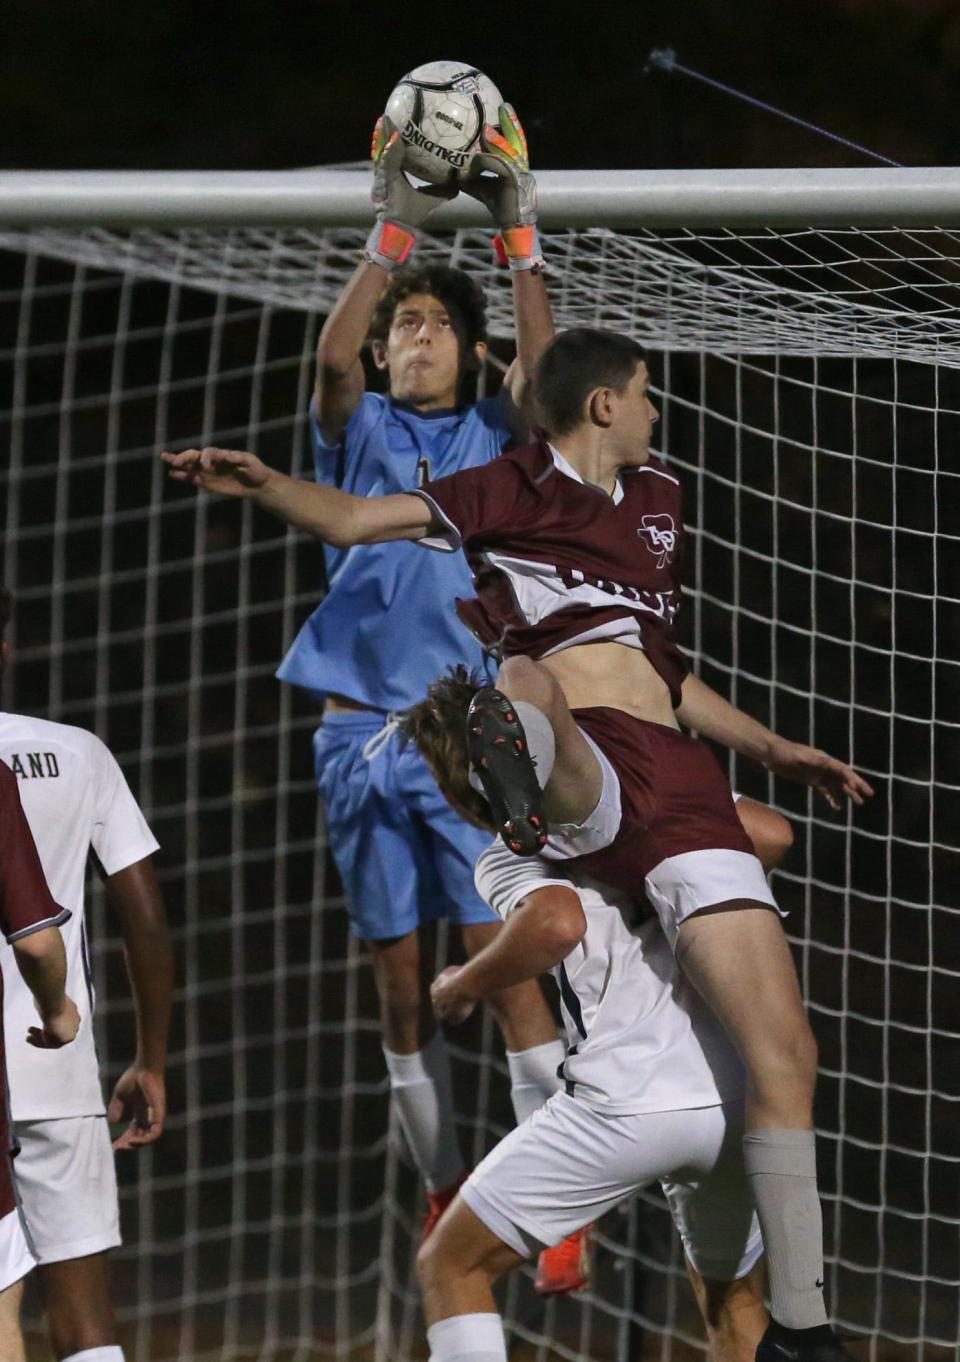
[(389, 244), (519, 247)]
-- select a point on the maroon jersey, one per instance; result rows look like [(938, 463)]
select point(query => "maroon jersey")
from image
[(25, 906), (557, 562)]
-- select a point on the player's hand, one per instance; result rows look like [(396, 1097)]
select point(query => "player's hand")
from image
[(833, 779), (140, 1096), (57, 1029), (450, 1003), (230, 472), (507, 188), (393, 197)]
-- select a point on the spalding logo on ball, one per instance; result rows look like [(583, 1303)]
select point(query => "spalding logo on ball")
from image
[(440, 110)]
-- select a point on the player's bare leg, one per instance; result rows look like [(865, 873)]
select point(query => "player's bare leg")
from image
[(733, 1312), (418, 1065), (739, 960), (575, 779), (79, 1309), (457, 1268), (11, 1335)]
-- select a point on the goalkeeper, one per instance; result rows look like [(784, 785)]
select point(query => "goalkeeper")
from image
[(385, 627)]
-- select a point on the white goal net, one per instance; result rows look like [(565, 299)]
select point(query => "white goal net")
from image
[(809, 382)]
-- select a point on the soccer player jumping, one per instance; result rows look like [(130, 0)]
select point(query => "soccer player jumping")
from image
[(574, 544), (385, 628)]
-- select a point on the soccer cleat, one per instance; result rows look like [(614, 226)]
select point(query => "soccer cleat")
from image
[(820, 1344), (565, 1267), (498, 751), (437, 1203)]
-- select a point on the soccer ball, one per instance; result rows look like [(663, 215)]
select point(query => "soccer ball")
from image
[(440, 110)]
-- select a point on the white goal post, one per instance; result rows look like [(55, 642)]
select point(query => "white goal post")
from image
[(804, 331)]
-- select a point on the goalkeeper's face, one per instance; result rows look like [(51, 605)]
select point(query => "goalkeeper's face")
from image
[(425, 353)]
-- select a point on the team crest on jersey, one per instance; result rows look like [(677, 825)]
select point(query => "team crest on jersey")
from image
[(659, 534)]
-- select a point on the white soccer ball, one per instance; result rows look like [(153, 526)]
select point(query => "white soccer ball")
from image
[(440, 110)]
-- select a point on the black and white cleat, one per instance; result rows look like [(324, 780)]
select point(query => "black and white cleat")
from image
[(501, 759), (820, 1344)]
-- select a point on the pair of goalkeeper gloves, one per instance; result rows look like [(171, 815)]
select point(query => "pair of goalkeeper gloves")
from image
[(500, 178)]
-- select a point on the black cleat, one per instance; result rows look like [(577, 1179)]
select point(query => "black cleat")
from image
[(499, 754), (820, 1344)]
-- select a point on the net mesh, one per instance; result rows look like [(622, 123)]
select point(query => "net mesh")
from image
[(811, 402)]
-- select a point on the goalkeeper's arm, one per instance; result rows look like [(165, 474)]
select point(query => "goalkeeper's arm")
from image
[(338, 518), (400, 210)]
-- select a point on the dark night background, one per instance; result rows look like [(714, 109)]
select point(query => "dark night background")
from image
[(98, 84), (214, 86)]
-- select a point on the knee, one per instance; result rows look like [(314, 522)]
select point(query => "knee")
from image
[(775, 840), (790, 1060), (436, 1262), (403, 1020), (75, 1332), (523, 679)]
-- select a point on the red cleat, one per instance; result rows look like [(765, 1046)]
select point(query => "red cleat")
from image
[(437, 1203), (565, 1267)]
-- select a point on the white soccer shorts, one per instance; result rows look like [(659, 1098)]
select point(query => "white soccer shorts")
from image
[(16, 1260), (67, 1184), (568, 1164)]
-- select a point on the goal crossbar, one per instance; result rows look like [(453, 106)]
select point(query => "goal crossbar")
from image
[(863, 197)]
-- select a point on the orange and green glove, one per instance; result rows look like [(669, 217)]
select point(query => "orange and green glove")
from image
[(500, 178), (400, 208)]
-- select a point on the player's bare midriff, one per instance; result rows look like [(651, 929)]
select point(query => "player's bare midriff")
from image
[(614, 675), (342, 704)]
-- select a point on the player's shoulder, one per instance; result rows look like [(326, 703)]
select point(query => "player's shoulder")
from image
[(488, 412), (656, 469), (25, 728), (370, 410)]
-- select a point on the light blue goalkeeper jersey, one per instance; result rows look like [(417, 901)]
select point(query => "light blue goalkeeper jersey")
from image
[(387, 626)]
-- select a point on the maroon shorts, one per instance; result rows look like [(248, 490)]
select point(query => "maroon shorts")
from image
[(674, 798)]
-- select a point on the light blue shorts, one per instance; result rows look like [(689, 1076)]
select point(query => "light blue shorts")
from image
[(405, 858)]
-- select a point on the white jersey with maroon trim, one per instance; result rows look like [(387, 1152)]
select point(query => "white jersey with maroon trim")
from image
[(76, 800), (558, 562), (640, 1039)]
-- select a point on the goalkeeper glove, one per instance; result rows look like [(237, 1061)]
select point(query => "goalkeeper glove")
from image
[(508, 190), (400, 208)]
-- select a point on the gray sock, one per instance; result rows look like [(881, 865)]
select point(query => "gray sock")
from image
[(782, 1167), (541, 743)]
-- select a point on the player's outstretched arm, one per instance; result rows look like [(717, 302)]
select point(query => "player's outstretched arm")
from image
[(706, 711), (140, 1093), (541, 931), (502, 180), (42, 962), (327, 513), (400, 210)]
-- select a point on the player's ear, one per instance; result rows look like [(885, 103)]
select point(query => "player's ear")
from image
[(475, 356), (600, 407), (379, 352)]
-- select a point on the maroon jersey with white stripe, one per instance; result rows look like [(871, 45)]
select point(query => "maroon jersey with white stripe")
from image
[(558, 562)]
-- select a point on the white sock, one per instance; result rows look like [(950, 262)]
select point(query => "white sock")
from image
[(467, 1338), (533, 1076), (111, 1354), (420, 1085), (541, 743), (782, 1167)]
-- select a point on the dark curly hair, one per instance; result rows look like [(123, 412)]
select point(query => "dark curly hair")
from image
[(437, 726), (457, 291)]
